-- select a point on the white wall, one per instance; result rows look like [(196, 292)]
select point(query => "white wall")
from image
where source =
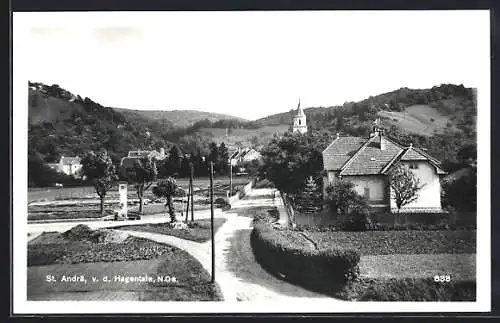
[(429, 197), (376, 185)]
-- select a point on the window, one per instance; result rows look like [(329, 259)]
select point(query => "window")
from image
[(299, 122), (367, 192), (413, 166)]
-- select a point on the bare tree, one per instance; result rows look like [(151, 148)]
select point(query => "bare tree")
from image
[(404, 185)]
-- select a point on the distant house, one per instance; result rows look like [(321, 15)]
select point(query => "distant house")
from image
[(366, 162), (243, 155), (68, 165), (127, 163)]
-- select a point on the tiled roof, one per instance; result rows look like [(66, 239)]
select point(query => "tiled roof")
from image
[(363, 156), (411, 154), (70, 160), (340, 151), (371, 159)]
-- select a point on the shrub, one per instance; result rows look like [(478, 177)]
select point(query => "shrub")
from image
[(289, 254), (356, 220), (268, 216), (342, 198)]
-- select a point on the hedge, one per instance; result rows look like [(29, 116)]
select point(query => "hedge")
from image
[(288, 254)]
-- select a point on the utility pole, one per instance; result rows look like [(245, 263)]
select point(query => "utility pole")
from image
[(187, 203), (191, 174), (212, 218), (230, 177)]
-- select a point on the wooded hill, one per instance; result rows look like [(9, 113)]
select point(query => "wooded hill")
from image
[(441, 119)]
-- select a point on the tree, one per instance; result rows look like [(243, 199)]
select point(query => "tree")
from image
[(100, 171), (168, 188), (143, 174), (404, 185), (174, 161), (350, 208), (310, 199), (213, 155), (223, 159), (288, 161), (342, 198)]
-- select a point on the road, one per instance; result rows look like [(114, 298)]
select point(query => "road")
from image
[(238, 274)]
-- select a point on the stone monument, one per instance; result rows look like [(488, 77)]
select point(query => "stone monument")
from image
[(122, 212)]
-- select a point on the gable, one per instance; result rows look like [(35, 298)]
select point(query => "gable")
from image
[(372, 159), (362, 156)]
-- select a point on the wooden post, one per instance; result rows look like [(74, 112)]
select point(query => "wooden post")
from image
[(212, 218), (230, 178), (191, 174), (187, 204)]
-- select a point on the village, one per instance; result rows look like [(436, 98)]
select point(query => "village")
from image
[(342, 218)]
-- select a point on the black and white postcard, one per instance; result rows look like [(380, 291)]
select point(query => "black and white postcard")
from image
[(251, 162)]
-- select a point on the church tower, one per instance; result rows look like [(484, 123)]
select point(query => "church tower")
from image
[(299, 121)]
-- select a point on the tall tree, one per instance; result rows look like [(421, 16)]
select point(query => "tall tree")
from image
[(309, 201), (223, 165), (168, 188), (100, 171), (288, 161), (213, 155), (143, 174), (404, 185), (174, 160)]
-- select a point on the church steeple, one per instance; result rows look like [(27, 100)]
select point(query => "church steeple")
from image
[(299, 120)]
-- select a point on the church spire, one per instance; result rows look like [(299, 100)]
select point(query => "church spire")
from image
[(299, 120)]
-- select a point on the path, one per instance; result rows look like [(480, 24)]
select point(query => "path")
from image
[(34, 229), (238, 274)]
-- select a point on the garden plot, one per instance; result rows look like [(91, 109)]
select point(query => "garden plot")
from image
[(408, 254), (81, 254)]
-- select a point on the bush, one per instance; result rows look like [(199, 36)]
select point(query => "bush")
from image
[(356, 220), (288, 254)]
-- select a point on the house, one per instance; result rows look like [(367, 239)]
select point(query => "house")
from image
[(68, 165), (366, 162), (243, 155), (127, 163)]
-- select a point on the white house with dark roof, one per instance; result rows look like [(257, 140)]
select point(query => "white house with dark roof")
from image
[(366, 163), (243, 155), (70, 165)]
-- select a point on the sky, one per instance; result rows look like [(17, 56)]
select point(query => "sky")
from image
[(251, 64)]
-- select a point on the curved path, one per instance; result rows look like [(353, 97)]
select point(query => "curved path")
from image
[(237, 272)]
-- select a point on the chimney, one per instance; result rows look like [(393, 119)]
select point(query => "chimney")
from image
[(162, 151), (338, 135), (382, 139)]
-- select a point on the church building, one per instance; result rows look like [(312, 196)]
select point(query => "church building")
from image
[(299, 121)]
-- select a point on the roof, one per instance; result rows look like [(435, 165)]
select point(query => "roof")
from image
[(340, 151), (300, 112), (363, 156), (70, 160)]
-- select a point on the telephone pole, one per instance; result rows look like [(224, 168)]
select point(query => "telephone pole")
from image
[(212, 218), (230, 177), (191, 174)]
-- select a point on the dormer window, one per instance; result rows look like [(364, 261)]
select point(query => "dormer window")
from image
[(372, 159)]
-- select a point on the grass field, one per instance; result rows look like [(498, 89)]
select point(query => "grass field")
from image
[(420, 119), (82, 202), (399, 242), (56, 256), (199, 230), (401, 265), (52, 194)]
